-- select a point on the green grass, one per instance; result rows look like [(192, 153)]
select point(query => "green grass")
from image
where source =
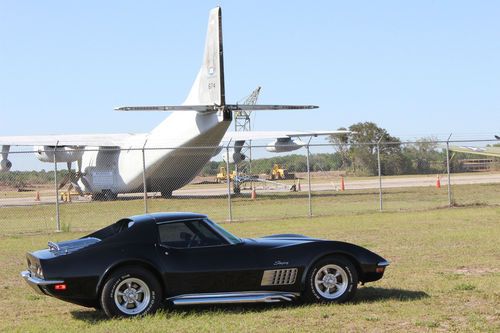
[(444, 273), (279, 205)]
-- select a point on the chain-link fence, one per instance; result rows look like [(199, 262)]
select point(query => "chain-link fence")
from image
[(69, 188)]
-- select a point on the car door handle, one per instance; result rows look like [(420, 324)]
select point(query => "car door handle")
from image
[(164, 248)]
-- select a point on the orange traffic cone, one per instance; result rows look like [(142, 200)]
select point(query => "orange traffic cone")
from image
[(37, 196), (254, 193), (438, 182), (342, 184), (298, 186)]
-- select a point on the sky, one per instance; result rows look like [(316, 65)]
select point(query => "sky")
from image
[(415, 68)]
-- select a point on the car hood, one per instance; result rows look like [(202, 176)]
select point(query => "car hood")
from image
[(276, 242)]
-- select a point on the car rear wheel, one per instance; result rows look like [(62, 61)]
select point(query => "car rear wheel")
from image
[(130, 291), (332, 279)]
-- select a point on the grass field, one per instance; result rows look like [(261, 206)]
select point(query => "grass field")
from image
[(271, 206), (444, 273)]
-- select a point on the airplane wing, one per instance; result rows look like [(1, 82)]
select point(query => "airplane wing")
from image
[(486, 151), (214, 108), (93, 140), (258, 135)]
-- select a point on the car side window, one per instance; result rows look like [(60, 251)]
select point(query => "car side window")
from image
[(175, 234), (188, 234)]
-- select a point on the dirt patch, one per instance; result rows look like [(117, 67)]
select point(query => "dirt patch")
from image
[(470, 271)]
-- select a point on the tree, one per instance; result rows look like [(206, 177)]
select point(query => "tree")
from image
[(425, 157), (341, 142), (362, 148)]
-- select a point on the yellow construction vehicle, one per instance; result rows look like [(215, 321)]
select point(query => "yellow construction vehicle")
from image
[(222, 175), (278, 172)]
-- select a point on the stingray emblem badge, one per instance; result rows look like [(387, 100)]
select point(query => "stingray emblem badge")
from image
[(280, 263)]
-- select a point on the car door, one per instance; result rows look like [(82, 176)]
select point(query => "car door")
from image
[(198, 259)]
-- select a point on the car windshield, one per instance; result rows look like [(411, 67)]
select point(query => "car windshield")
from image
[(227, 235)]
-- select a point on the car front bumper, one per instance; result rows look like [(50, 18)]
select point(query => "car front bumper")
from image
[(39, 285)]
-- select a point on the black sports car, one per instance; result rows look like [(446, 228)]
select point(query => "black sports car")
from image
[(130, 267)]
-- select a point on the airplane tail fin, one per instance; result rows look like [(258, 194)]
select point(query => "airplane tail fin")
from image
[(208, 87), (208, 92)]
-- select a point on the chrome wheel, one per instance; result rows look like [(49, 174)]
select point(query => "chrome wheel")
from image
[(331, 281), (132, 296)]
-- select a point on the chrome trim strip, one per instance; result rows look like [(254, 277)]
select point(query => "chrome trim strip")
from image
[(39, 282), (234, 297), (383, 263)]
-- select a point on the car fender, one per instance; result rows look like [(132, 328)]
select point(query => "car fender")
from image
[(324, 254), (126, 262)]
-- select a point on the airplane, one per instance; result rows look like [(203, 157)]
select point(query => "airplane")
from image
[(486, 151), (109, 164), (283, 141)]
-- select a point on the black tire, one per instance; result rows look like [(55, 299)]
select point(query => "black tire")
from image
[(109, 195), (97, 197), (141, 293), (331, 279), (166, 194)]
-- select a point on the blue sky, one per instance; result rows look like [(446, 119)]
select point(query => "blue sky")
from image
[(421, 68)]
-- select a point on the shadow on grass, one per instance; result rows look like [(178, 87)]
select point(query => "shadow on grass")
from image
[(374, 294), (89, 316), (364, 295)]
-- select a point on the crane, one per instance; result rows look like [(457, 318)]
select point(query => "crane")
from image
[(242, 123), (242, 118)]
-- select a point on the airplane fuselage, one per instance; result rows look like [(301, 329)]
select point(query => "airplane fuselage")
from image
[(170, 156)]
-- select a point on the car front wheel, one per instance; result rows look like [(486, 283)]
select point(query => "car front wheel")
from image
[(332, 279), (130, 291)]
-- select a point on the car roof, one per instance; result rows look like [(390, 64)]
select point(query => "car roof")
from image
[(166, 217)]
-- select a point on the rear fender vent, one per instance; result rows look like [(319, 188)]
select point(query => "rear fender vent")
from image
[(279, 277)]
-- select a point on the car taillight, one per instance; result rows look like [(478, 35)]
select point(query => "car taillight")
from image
[(60, 286)]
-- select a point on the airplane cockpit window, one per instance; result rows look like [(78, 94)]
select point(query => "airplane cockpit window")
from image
[(189, 234)]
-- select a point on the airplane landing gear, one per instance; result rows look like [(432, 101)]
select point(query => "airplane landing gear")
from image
[(105, 195), (236, 187), (166, 194)]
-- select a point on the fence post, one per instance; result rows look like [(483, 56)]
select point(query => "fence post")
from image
[(379, 175), (309, 179), (228, 185), (144, 185), (58, 222), (250, 161), (448, 170)]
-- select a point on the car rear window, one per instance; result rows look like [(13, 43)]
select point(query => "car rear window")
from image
[(113, 229)]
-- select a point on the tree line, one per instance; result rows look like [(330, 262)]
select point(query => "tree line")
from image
[(356, 154), (20, 179)]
